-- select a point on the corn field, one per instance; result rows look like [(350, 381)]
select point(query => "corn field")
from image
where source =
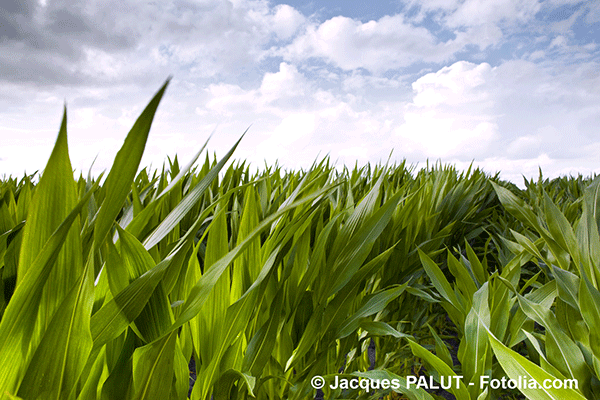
[(211, 282)]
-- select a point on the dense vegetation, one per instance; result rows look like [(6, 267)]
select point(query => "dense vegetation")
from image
[(110, 286)]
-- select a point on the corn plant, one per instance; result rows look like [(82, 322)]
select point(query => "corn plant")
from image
[(114, 287)]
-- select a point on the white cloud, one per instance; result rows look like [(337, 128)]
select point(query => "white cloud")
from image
[(291, 135), (388, 43), (281, 90), (465, 111), (338, 86), (484, 12), (357, 82), (525, 146), (593, 14), (559, 41), (536, 55), (121, 40), (515, 169), (286, 83), (453, 85), (286, 21), (482, 23), (451, 113), (227, 99)]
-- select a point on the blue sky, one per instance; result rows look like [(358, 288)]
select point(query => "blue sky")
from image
[(508, 85)]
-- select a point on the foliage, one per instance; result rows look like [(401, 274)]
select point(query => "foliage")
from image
[(109, 287)]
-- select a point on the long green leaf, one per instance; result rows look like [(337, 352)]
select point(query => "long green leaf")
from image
[(560, 348), (186, 204), (153, 370), (63, 351), (204, 286), (17, 322), (119, 179), (589, 302), (441, 368), (518, 367), (55, 196)]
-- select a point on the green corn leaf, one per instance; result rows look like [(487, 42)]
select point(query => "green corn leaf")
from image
[(560, 348), (116, 315), (586, 231), (226, 381), (560, 229), (54, 197), (184, 170), (204, 286), (516, 367), (364, 210), (207, 326), (374, 304), (501, 302), (95, 368), (317, 258), (568, 286), (118, 385), (121, 175), (153, 369), (464, 280), (544, 363), (189, 201), (329, 317), (380, 328), (358, 247), (262, 343), (516, 207), (64, 348), (8, 396), (484, 395), (528, 244), (236, 320), (478, 269), (118, 274), (156, 317), (422, 294), (441, 368), (440, 348), (544, 297), (182, 373), (589, 303), (474, 352), (16, 326), (413, 393), (248, 265), (455, 308)]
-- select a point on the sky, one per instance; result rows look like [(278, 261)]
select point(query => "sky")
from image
[(510, 86)]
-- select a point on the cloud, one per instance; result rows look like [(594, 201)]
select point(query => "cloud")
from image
[(283, 90), (286, 21), (492, 23), (296, 118), (457, 84), (436, 33), (504, 83), (291, 135), (468, 13), (80, 42), (485, 12), (388, 43), (525, 146), (451, 114), (286, 84)]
